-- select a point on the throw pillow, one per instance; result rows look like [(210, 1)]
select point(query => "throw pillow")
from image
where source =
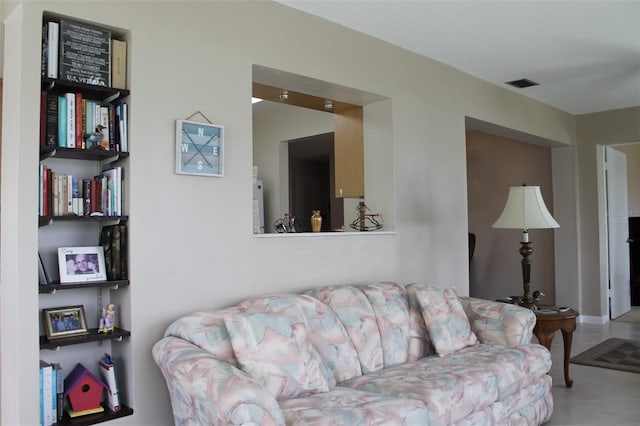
[(445, 319), (273, 348)]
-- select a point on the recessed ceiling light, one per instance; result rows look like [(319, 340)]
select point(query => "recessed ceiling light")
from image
[(522, 83), (255, 100)]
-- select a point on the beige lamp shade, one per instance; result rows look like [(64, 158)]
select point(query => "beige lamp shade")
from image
[(525, 209)]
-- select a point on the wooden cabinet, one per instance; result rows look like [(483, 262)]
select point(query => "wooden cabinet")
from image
[(349, 153)]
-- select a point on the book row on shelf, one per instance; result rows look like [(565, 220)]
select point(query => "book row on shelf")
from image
[(71, 121), (80, 393), (63, 194)]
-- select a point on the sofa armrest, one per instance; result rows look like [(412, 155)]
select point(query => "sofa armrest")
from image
[(196, 379), (499, 323)]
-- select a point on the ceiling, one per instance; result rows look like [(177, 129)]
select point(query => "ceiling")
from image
[(585, 55)]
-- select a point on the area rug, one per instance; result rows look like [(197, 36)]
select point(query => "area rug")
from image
[(617, 354)]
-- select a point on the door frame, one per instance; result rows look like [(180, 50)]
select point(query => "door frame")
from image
[(602, 230)]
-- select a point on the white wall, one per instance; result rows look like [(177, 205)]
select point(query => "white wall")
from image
[(191, 237), (633, 176)]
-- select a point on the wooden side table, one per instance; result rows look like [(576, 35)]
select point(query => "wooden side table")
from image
[(548, 324)]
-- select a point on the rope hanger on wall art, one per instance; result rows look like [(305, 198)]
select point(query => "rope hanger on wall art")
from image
[(201, 115)]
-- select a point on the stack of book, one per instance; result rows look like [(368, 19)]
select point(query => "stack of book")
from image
[(86, 54), (63, 194), (51, 393), (71, 121)]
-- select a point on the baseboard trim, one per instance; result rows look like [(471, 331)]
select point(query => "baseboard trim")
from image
[(590, 319)]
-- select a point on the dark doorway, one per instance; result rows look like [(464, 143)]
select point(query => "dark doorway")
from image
[(311, 184)]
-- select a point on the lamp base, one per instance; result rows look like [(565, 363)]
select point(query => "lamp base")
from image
[(527, 300)]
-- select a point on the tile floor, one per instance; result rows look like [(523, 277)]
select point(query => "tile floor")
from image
[(599, 396)]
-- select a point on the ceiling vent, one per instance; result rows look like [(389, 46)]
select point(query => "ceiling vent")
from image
[(522, 83)]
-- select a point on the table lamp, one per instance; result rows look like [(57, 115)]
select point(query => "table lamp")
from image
[(525, 209)]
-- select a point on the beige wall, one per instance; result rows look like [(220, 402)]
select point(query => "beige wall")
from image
[(197, 56), (494, 164)]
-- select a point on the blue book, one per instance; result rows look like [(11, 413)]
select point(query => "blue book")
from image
[(62, 122)]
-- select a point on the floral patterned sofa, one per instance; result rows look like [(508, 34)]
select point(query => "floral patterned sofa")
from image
[(368, 354)]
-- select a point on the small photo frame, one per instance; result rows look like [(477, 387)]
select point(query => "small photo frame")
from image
[(81, 264), (66, 321), (199, 148)]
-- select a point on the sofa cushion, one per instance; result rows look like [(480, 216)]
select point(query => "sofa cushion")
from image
[(207, 331), (273, 348), (445, 319), (440, 385), (499, 323), (389, 302), (359, 319), (347, 407), (327, 334)]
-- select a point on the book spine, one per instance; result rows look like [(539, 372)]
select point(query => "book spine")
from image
[(54, 194), (69, 194), (45, 49), (47, 192), (52, 120), (113, 128), (41, 189), (47, 393), (53, 44), (104, 122), (62, 121), (86, 194), (118, 64), (41, 388), (96, 196), (57, 368), (125, 131), (108, 373), (43, 118), (90, 125), (71, 120), (78, 120)]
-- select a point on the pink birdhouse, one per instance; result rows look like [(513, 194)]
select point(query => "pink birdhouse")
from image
[(83, 388)]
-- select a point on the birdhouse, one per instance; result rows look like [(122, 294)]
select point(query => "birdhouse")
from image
[(84, 389)]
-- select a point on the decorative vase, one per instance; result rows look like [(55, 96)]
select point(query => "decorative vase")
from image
[(316, 221)]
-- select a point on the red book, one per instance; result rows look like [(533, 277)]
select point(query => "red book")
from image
[(79, 126), (96, 196), (46, 175)]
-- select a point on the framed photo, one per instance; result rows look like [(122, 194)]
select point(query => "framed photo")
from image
[(81, 264), (65, 322), (199, 148)]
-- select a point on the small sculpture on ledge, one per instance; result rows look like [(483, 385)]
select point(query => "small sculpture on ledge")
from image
[(107, 323), (94, 140)]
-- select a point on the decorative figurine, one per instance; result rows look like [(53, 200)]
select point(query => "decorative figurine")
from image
[(108, 319), (537, 295), (94, 140)]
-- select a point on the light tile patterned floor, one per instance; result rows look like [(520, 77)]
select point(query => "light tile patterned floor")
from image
[(599, 396)]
